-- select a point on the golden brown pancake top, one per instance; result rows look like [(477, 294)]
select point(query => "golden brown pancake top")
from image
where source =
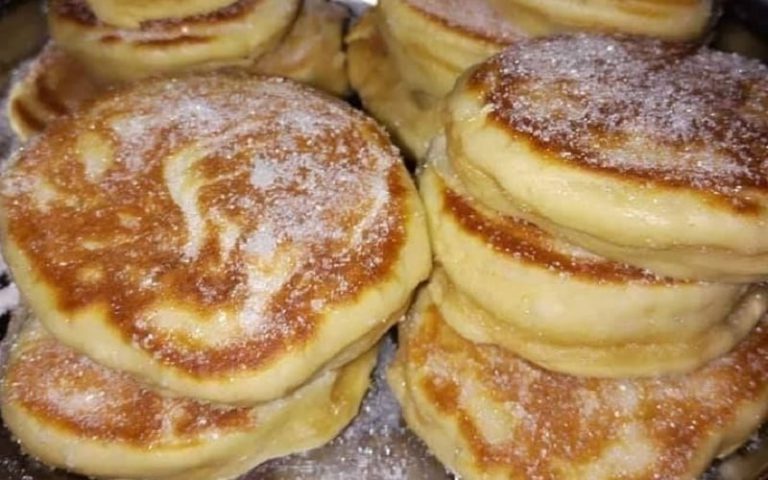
[(476, 18), (528, 243), (574, 419), (660, 112), (257, 199), (69, 391)]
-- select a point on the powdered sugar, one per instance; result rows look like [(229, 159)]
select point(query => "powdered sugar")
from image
[(693, 117)]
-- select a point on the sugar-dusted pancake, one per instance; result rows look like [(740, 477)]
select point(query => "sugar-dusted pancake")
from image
[(645, 152), (565, 308), (674, 20), (413, 119), (74, 414), (433, 41), (49, 86), (489, 415), (221, 236), (312, 52), (233, 35), (131, 13)]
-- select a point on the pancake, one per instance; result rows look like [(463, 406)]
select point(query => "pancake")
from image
[(233, 35), (675, 20), (74, 414), (312, 52), (433, 41), (488, 414), (411, 118), (565, 308), (50, 85), (221, 236), (642, 356), (665, 141), (131, 13), (54, 83)]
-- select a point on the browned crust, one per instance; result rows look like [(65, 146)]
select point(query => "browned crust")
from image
[(527, 243), (124, 411), (677, 421), (210, 283), (501, 88)]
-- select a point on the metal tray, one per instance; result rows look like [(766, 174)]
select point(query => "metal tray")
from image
[(377, 446)]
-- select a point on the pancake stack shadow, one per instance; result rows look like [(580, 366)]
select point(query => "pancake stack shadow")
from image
[(99, 44), (597, 211)]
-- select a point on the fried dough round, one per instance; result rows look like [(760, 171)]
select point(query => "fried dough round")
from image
[(74, 414), (645, 152), (412, 119), (597, 317), (489, 415), (221, 236), (233, 35), (131, 13), (432, 42), (673, 20)]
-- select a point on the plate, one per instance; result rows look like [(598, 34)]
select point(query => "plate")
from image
[(377, 446)]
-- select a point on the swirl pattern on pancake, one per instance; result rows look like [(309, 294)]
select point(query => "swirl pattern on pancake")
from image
[(488, 414), (73, 413), (233, 35), (668, 141), (222, 236)]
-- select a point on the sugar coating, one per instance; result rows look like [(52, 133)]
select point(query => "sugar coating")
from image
[(685, 115), (252, 202)]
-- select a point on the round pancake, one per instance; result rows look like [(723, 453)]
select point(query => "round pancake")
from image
[(375, 78), (645, 152), (131, 13), (50, 85), (538, 289), (673, 20), (312, 52), (488, 414), (221, 236), (433, 41), (54, 83), (74, 414), (596, 356), (233, 35)]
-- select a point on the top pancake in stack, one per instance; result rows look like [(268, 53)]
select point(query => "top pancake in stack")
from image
[(427, 44), (223, 237), (644, 152)]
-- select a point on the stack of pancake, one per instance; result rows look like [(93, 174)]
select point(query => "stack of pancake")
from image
[(598, 209), (405, 55), (97, 43), (207, 264)]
